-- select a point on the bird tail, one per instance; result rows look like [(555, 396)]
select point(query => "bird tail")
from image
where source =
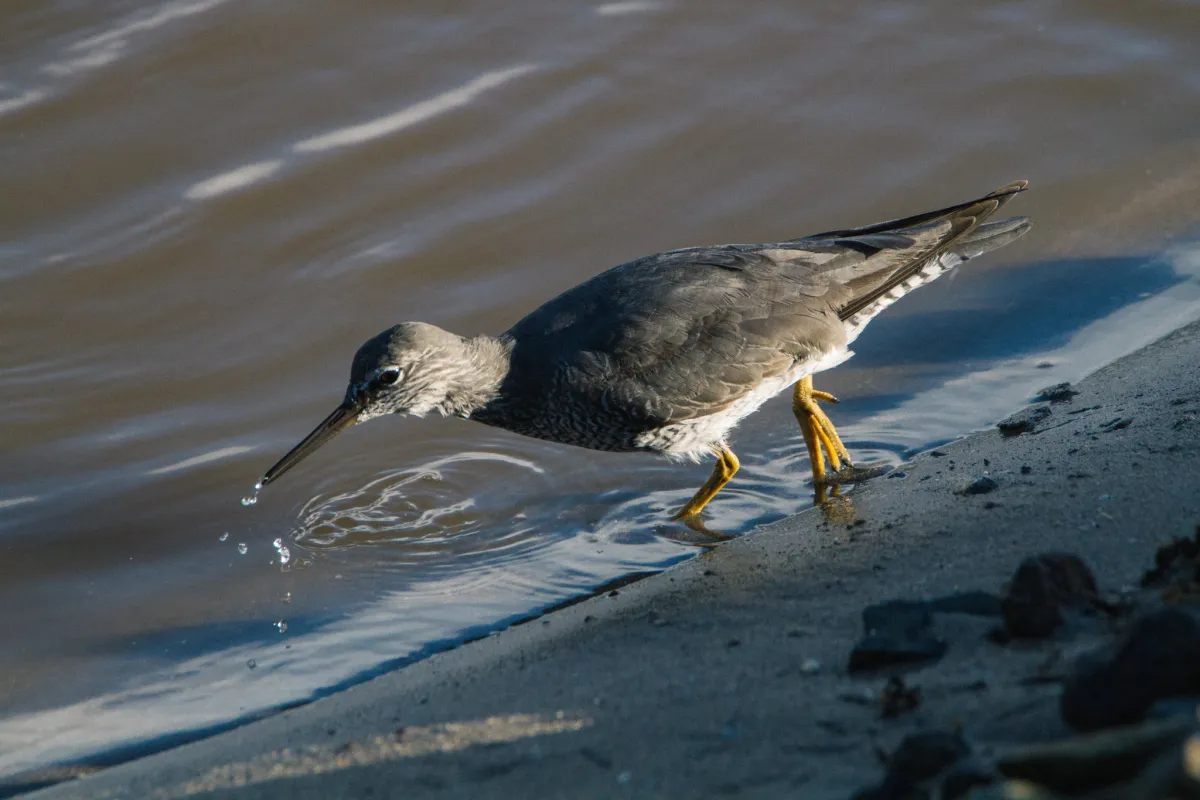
[(961, 235)]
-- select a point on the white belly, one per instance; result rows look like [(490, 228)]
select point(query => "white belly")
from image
[(696, 438)]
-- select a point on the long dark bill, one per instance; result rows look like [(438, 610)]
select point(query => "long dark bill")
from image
[(343, 417)]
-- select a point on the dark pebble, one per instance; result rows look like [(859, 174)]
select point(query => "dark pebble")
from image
[(981, 485), (898, 698), (1176, 568), (976, 603), (1096, 761), (921, 757), (1041, 589), (1158, 659), (1026, 470), (1024, 420), (898, 632), (1057, 393), (1116, 424)]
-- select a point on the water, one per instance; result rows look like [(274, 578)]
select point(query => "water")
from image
[(209, 205)]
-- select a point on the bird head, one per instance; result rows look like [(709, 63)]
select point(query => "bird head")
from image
[(408, 369)]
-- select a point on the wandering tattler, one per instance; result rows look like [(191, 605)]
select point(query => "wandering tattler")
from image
[(669, 352)]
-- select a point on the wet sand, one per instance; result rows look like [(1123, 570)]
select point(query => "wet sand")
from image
[(727, 675)]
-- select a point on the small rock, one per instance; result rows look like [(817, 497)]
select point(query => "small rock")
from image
[(1087, 763), (898, 632), (1026, 470), (1024, 420), (898, 698), (1116, 424), (981, 485), (964, 775), (975, 603), (1041, 589), (1057, 393), (919, 759), (1159, 658), (1176, 569), (810, 666)]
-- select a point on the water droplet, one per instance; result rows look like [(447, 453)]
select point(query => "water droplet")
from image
[(278, 543), (249, 501), (223, 536), (287, 597), (282, 625), (258, 486), (285, 555), (242, 548), (252, 663)]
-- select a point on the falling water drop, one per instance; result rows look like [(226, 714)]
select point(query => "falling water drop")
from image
[(252, 499), (223, 536), (285, 555), (282, 625), (242, 548)]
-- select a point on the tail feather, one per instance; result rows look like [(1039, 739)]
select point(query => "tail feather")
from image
[(992, 236), (964, 237), (1001, 196)]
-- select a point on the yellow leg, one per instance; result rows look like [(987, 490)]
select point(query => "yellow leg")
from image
[(819, 433), (727, 466)]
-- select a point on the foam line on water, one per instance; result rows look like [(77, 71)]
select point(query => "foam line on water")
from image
[(621, 9), (104, 48), (204, 458), (413, 114), (234, 179), (360, 133)]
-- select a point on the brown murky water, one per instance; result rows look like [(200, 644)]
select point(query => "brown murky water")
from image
[(206, 205)]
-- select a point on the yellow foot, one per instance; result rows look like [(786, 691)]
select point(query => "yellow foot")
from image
[(820, 436), (727, 465)]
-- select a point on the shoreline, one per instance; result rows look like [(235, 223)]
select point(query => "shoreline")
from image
[(728, 673)]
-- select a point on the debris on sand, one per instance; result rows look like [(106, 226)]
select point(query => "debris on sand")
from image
[(1097, 760), (1176, 570), (898, 698), (899, 632), (1043, 587), (917, 763), (1058, 393), (1024, 420), (1158, 658), (981, 485)]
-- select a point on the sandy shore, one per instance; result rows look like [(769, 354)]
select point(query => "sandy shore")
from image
[(728, 675)]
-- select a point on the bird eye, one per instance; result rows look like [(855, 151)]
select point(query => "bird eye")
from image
[(389, 376)]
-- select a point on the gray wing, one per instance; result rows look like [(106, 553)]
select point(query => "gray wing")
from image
[(686, 333)]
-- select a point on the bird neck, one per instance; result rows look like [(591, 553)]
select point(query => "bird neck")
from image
[(481, 370)]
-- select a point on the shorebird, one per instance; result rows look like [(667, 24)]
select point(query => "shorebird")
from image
[(667, 353)]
